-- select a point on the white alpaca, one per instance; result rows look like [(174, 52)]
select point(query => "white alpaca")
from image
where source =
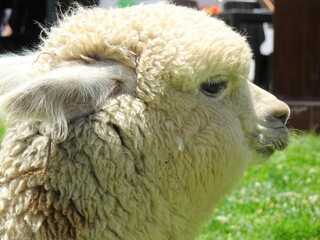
[(129, 124)]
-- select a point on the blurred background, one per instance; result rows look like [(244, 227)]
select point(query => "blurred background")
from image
[(284, 36)]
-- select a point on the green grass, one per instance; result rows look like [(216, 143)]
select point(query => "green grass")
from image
[(279, 200), (2, 129)]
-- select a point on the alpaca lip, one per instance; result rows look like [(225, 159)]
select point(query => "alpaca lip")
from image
[(268, 151), (274, 130), (268, 140)]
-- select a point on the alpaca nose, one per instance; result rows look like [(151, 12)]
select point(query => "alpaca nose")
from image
[(276, 113), (272, 112), (281, 112)]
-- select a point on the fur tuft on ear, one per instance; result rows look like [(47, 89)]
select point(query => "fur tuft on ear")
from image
[(65, 93), (14, 70)]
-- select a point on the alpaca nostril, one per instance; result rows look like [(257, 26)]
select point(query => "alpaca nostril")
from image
[(282, 114), (277, 116), (284, 118)]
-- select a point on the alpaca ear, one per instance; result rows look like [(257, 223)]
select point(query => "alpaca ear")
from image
[(65, 92)]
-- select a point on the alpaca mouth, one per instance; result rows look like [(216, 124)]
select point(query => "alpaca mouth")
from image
[(268, 140), (267, 151)]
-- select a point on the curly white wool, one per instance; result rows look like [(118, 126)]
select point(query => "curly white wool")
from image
[(108, 134)]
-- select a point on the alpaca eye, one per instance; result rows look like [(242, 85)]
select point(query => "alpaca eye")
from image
[(213, 89)]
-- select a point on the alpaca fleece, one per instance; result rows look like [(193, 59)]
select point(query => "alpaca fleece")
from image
[(110, 134)]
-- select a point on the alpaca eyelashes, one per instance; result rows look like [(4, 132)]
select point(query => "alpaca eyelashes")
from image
[(214, 88)]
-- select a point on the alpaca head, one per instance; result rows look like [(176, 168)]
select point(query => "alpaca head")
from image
[(159, 91), (93, 55)]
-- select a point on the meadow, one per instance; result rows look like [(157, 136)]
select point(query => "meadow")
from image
[(279, 200)]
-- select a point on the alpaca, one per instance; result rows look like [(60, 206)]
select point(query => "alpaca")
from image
[(129, 124)]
